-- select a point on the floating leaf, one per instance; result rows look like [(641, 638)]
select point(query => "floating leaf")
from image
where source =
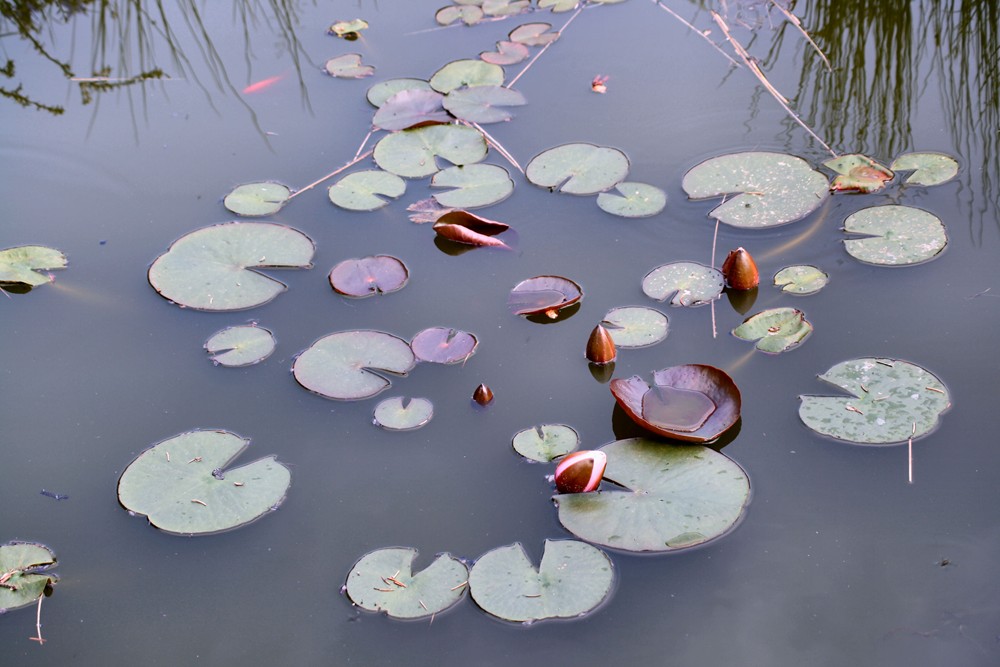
[(543, 295), (802, 279), (409, 108), (212, 268), (546, 442), (469, 14), (240, 346), (383, 580), (21, 265), (379, 274), (572, 579), (483, 104), (23, 574), (558, 5), (464, 227), (507, 53), (348, 66), (858, 173), (504, 7), (403, 414), (675, 497), (635, 326), (411, 153), (441, 345), (775, 330), (427, 210), (466, 73), (774, 188), (684, 283), (183, 484), (360, 191), (579, 169), (637, 200), (533, 34), (255, 199), (895, 235), (928, 168), (380, 92), (715, 384), (890, 401), (342, 365), (348, 29), (475, 185)]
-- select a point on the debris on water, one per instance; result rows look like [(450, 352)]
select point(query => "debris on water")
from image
[(54, 495)]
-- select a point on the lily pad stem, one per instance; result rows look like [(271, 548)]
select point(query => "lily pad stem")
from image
[(350, 164), (546, 47)]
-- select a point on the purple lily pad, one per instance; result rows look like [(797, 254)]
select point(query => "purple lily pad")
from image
[(441, 345), (543, 295), (676, 409), (366, 276)]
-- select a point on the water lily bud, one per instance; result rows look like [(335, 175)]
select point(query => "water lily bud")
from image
[(600, 347), (740, 270), (482, 395), (581, 472)]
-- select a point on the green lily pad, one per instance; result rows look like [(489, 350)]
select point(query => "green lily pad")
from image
[(890, 401), (674, 497), (380, 92), (441, 345), (635, 326), (546, 442), (475, 185), (774, 188), (253, 199), (775, 330), (383, 580), (895, 235), (241, 345), (212, 268), (533, 34), (342, 365), (348, 66), (501, 8), (927, 168), (367, 276), (684, 283), (468, 14), (572, 579), (579, 169), (21, 265), (507, 53), (637, 200), (348, 29), (411, 153), (858, 173), (360, 191), (183, 485), (403, 414), (466, 73), (483, 104), (409, 108), (23, 574), (558, 5), (802, 279)]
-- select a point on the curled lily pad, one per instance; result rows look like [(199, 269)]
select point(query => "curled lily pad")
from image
[(428, 210), (212, 268), (572, 579), (411, 153), (403, 414), (774, 188), (348, 29), (24, 574), (483, 104), (361, 190), (775, 330), (441, 345), (858, 173), (379, 274), (466, 73), (889, 402), (184, 486), (635, 326), (713, 383), (637, 200), (342, 365), (533, 34), (240, 346), (384, 580), (21, 265), (895, 235), (254, 199), (474, 185), (673, 497), (380, 92), (507, 53), (558, 5), (684, 283), (927, 168), (464, 227), (546, 442), (543, 295), (579, 169), (468, 14), (409, 108), (348, 66), (803, 279)]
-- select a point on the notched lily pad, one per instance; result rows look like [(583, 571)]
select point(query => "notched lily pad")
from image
[(365, 276), (348, 66), (507, 53), (380, 92), (895, 235), (403, 414), (466, 73), (858, 173), (409, 108), (411, 153), (483, 104), (475, 185), (546, 442), (441, 345), (383, 580), (775, 330), (635, 326), (342, 365), (361, 190), (533, 34), (557, 6), (579, 169), (927, 168), (543, 295), (637, 200), (801, 279), (684, 283), (469, 14), (254, 199), (243, 345), (24, 574), (21, 265), (464, 227)]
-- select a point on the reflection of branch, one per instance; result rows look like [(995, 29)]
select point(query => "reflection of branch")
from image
[(794, 20)]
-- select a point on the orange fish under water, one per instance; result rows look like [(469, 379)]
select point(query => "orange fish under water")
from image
[(262, 84)]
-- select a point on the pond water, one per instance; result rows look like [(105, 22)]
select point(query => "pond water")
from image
[(839, 558)]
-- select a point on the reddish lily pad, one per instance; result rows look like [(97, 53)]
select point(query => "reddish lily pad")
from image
[(674, 409), (342, 365), (464, 227), (366, 276), (543, 295), (858, 173), (441, 345)]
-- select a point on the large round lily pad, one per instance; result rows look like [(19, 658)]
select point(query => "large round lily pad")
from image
[(473, 186), (183, 485), (342, 365), (242, 345), (21, 265), (24, 573), (361, 190), (889, 402), (546, 442), (673, 497), (412, 153), (383, 580), (257, 198), (579, 169), (212, 268), (895, 235), (635, 326), (466, 73), (775, 329), (572, 579), (684, 283)]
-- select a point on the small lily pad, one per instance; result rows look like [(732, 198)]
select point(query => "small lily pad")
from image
[(241, 345), (483, 104), (348, 29), (500, 8), (411, 153), (546, 442), (380, 92), (348, 66), (558, 5), (635, 326), (474, 185), (254, 199), (441, 345), (383, 580), (895, 235), (409, 108), (579, 169), (543, 295), (468, 14), (858, 173), (533, 34), (775, 330), (342, 365), (507, 53), (927, 168), (637, 200), (184, 486), (674, 497), (360, 191), (801, 279), (464, 227), (684, 283), (379, 274), (466, 73), (889, 402), (21, 265), (572, 579), (24, 574), (403, 414)]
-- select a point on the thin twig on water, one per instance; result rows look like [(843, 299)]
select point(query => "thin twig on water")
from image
[(794, 20), (695, 30), (909, 448), (715, 237), (496, 144), (38, 623), (350, 164), (546, 47)]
